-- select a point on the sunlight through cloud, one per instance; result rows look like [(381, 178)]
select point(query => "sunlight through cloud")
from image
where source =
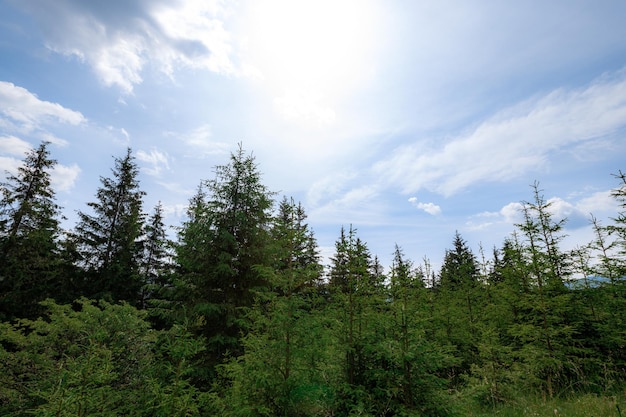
[(310, 53)]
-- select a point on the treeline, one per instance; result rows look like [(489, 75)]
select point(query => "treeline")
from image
[(238, 317)]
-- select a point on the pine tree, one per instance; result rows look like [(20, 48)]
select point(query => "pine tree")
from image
[(544, 326), (350, 282), (458, 303), (156, 260), (220, 247), (358, 306), (413, 360), (609, 250), (109, 240), (618, 228), (282, 368), (460, 268), (492, 378), (29, 233)]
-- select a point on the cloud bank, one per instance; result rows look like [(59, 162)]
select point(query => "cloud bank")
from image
[(514, 141), (119, 38)]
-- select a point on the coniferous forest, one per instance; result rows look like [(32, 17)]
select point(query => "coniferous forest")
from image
[(236, 315)]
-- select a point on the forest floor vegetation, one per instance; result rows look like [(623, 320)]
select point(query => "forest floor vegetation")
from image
[(578, 405)]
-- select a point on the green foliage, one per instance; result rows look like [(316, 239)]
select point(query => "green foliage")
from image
[(173, 393), (457, 309), (584, 405), (156, 267), (29, 233), (220, 247), (240, 319), (285, 368), (95, 358), (411, 361), (544, 329), (109, 239), (78, 360)]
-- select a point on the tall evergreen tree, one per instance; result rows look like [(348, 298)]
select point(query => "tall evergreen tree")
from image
[(412, 359), (359, 303), (618, 228), (460, 267), (282, 370), (29, 233), (609, 300), (544, 326), (156, 259), (109, 239), (351, 283), (220, 247), (458, 301)]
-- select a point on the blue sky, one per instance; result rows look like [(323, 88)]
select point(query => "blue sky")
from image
[(409, 120)]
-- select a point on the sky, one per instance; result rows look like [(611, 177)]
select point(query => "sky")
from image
[(409, 120)]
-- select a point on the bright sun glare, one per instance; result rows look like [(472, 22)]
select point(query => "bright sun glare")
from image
[(310, 53)]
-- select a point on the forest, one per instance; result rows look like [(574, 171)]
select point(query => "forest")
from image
[(237, 316)]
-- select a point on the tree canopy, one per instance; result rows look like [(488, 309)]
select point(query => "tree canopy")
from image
[(236, 315)]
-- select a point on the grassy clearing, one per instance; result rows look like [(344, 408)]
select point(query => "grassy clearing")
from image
[(587, 405)]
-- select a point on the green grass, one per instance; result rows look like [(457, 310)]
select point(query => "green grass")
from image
[(585, 405)]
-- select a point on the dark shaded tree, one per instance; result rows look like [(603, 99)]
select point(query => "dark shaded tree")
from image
[(30, 263), (109, 240), (156, 260), (458, 307), (285, 367), (414, 360), (221, 245)]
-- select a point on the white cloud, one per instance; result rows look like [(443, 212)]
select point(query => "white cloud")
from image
[(200, 141), (303, 106), (9, 165), (577, 213), (508, 215), (21, 106), (513, 141), (23, 113), (512, 213), (119, 39), (329, 188), (430, 208), (175, 210), (598, 202), (560, 208), (359, 205), (64, 177), (49, 137), (14, 146), (156, 160), (176, 188)]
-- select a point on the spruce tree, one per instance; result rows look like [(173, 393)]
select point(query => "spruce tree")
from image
[(357, 305), (458, 303), (350, 281), (220, 247), (460, 267), (544, 327), (609, 271), (282, 368), (156, 259), (109, 239), (412, 360), (618, 228), (29, 233)]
